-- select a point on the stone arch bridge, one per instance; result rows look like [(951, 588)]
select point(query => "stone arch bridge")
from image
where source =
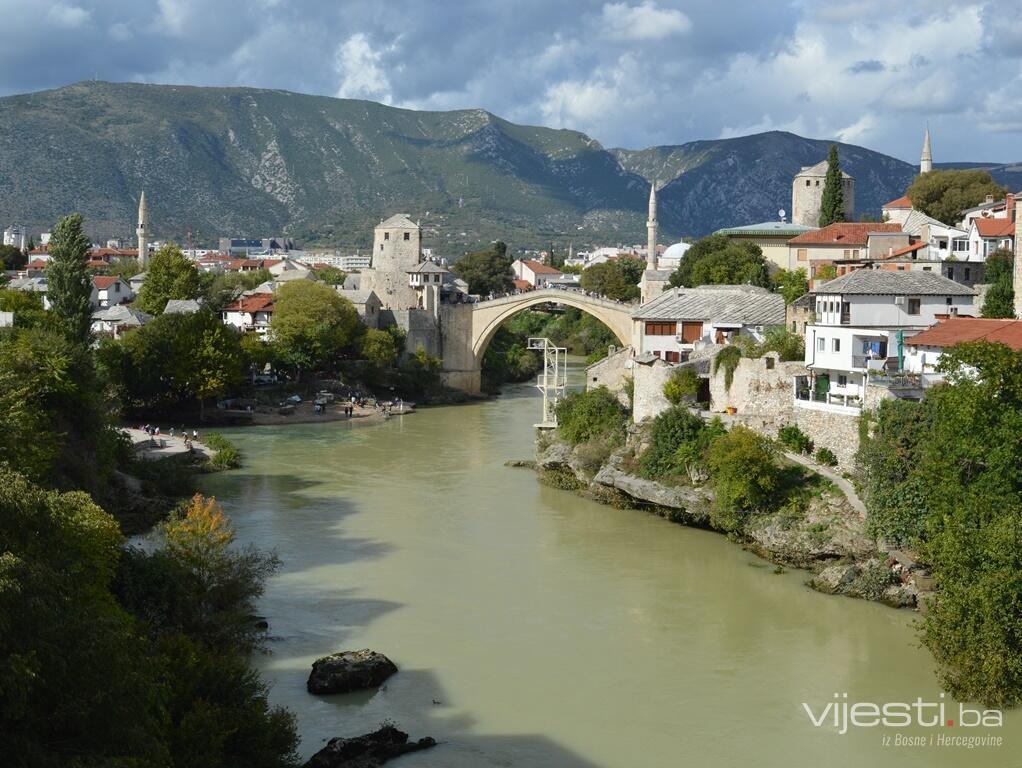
[(466, 329)]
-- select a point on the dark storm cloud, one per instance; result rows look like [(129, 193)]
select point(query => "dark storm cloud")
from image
[(628, 72)]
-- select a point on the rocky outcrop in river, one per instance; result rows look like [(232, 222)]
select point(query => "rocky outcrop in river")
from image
[(367, 751), (826, 536), (348, 671)]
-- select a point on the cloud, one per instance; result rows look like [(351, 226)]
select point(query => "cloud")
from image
[(869, 65), (642, 22), (68, 16), (362, 76), (628, 72)]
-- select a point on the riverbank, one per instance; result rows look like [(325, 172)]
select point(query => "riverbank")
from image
[(824, 534)]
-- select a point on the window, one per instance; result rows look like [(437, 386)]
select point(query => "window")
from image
[(950, 273), (847, 253), (967, 271), (803, 254), (947, 300), (691, 332), (842, 380), (386, 235), (770, 363), (408, 235), (855, 253), (817, 182), (835, 345), (660, 328), (808, 182), (381, 246), (913, 306), (821, 344), (672, 357)]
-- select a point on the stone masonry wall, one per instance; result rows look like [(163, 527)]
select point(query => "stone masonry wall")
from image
[(613, 372), (648, 398)]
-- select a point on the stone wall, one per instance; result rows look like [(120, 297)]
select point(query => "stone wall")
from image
[(613, 372), (761, 391), (648, 396), (837, 431)]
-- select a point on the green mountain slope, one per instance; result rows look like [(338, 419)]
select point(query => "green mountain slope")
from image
[(239, 161)]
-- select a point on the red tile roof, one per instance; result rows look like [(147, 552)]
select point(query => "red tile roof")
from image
[(37, 264), (540, 268), (102, 282), (901, 202), (907, 249), (106, 253), (954, 330), (994, 227), (522, 285), (844, 233), (257, 302)]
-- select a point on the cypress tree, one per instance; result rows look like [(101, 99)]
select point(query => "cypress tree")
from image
[(69, 282), (832, 205)]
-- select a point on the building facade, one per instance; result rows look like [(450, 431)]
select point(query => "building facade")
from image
[(807, 195)]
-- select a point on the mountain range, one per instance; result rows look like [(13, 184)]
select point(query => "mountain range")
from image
[(258, 163)]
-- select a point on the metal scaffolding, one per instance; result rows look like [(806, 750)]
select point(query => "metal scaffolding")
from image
[(553, 379)]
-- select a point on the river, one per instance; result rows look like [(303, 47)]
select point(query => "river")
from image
[(551, 630)]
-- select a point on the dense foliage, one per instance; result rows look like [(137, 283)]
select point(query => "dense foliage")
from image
[(1000, 296), (593, 415), (70, 284), (617, 279), (27, 307), (170, 275), (791, 284), (794, 439), (12, 257), (744, 474), (378, 347), (683, 385), (945, 195), (311, 324), (678, 443), (718, 260), (945, 476), (832, 202), (487, 271)]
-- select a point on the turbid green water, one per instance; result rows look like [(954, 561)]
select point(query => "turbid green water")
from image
[(552, 630)]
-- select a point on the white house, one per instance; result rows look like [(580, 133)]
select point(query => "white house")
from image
[(110, 290), (989, 235), (927, 347), (15, 235), (679, 320), (533, 272), (862, 321), (250, 313)]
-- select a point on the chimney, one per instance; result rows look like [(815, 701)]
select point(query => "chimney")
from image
[(990, 199)]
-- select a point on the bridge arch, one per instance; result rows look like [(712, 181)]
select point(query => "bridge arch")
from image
[(488, 316)]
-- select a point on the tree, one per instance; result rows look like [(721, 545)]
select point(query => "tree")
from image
[(311, 324), (70, 285), (331, 275), (596, 414), (718, 260), (616, 279), (683, 384), (124, 267), (12, 257), (832, 203), (219, 290), (487, 271), (216, 360), (27, 307), (945, 195), (745, 476), (825, 272), (379, 348), (1000, 296), (791, 284), (171, 275)]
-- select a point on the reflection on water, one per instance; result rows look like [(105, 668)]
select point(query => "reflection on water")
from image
[(554, 631)]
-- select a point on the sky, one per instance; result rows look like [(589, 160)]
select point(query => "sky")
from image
[(629, 73)]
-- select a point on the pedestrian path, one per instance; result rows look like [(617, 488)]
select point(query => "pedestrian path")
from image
[(161, 447), (846, 487)]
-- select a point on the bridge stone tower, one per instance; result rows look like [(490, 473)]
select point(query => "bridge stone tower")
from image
[(142, 232), (807, 195), (397, 248)]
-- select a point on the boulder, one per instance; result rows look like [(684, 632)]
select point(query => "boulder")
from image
[(835, 580), (367, 751), (692, 502), (349, 671)]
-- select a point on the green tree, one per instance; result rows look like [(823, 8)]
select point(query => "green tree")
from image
[(219, 290), (379, 348), (832, 203), (683, 384), (171, 275), (311, 324), (945, 195), (791, 284), (124, 267), (12, 257), (717, 260), (331, 275), (617, 279), (825, 272), (27, 307), (596, 414), (744, 474), (487, 271), (669, 431), (70, 285), (1000, 296)]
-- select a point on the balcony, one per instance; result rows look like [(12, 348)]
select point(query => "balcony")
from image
[(806, 396)]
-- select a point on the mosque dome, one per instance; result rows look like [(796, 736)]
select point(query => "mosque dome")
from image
[(673, 253)]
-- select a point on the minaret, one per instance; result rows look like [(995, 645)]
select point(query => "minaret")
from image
[(141, 232), (651, 229), (926, 161)]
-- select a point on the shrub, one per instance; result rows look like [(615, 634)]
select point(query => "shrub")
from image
[(671, 429), (794, 439), (826, 457), (584, 416), (225, 454), (682, 385), (744, 474), (728, 359)]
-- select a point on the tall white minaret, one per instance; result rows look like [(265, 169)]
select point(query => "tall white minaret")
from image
[(926, 160), (142, 233), (651, 229)]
